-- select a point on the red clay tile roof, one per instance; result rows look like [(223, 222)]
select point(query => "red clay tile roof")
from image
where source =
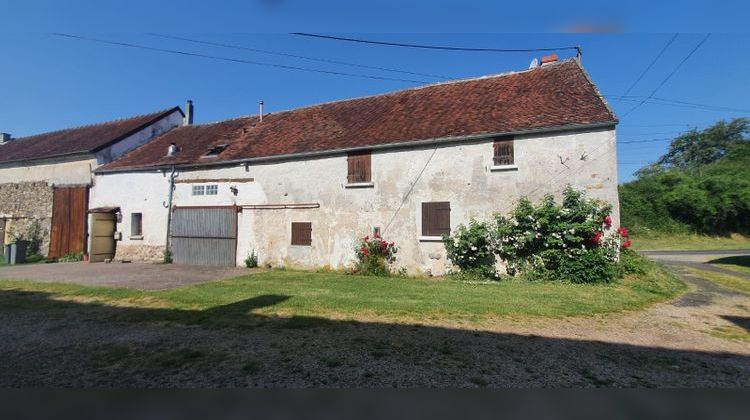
[(71, 141), (556, 95)]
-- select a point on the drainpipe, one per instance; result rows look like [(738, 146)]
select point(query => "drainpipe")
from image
[(167, 247)]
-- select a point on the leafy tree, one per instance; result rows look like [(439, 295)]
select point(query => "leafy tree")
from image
[(701, 184), (698, 148)]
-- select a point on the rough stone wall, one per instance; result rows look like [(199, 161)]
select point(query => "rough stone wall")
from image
[(144, 253), (27, 205)]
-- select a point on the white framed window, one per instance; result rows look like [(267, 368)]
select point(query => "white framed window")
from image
[(212, 189), (136, 225), (199, 190)]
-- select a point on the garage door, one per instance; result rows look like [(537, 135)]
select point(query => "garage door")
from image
[(204, 236)]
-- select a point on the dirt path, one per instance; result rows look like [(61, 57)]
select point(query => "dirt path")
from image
[(46, 342)]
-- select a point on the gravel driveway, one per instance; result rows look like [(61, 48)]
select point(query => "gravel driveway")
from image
[(138, 276), (47, 342)]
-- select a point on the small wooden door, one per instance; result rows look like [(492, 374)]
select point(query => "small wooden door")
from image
[(102, 237), (69, 207)]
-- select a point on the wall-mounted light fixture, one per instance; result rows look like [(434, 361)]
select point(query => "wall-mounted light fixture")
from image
[(234, 189)]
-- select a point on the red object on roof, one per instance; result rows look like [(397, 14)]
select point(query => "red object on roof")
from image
[(557, 95), (79, 140), (549, 59)]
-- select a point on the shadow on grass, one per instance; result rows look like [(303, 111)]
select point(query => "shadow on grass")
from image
[(741, 260), (740, 321), (50, 342)]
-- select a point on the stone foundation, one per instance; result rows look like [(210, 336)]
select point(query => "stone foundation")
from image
[(27, 207), (139, 253)]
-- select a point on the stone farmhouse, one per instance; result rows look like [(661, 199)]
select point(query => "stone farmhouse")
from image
[(45, 179), (300, 187)]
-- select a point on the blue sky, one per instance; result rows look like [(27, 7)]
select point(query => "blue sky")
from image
[(48, 82)]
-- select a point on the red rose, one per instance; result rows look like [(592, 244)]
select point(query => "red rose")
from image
[(623, 231), (391, 245), (367, 238), (366, 251), (626, 244), (608, 221), (597, 237)]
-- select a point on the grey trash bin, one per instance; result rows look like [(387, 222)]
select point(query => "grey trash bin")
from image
[(15, 253)]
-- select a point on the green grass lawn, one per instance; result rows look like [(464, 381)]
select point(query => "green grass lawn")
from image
[(739, 263), (732, 282), (310, 295), (687, 242)]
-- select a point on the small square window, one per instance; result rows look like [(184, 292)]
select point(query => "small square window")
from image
[(136, 224), (212, 189), (199, 190), (302, 233), (436, 218), (359, 167), (503, 148)]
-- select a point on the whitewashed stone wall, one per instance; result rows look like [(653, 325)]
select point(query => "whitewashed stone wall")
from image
[(459, 173)]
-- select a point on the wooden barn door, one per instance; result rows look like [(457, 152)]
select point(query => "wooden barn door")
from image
[(68, 221)]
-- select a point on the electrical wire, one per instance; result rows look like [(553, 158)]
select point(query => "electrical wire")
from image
[(235, 60), (436, 47), (669, 76), (322, 60), (663, 50)]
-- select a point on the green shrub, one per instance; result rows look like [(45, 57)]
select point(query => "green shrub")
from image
[(167, 256), (632, 263), (252, 260), (374, 256), (568, 242), (470, 248)]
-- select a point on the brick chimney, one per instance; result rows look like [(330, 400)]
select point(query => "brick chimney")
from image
[(549, 59)]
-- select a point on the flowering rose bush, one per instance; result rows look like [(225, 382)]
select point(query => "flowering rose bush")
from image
[(560, 242), (374, 256), (470, 248)]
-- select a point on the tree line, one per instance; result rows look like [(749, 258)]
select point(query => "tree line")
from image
[(701, 184)]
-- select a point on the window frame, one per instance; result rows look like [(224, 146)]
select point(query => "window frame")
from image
[(430, 215), (199, 190), (136, 220), (303, 228), (212, 189), (503, 154), (359, 168)]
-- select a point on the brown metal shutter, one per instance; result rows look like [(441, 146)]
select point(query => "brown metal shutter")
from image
[(302, 233), (436, 218), (359, 167), (68, 234), (503, 151)]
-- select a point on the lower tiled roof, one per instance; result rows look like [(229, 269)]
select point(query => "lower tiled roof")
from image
[(78, 140)]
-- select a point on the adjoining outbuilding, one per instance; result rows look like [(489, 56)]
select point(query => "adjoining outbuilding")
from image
[(300, 187), (45, 178)]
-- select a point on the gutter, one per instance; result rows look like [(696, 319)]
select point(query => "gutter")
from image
[(399, 145)]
